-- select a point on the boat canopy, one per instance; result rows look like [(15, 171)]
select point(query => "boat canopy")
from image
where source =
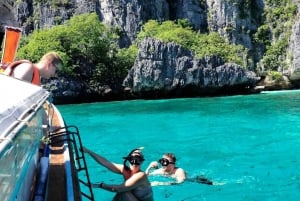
[(17, 100)]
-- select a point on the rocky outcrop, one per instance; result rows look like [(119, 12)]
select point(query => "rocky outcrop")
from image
[(66, 90), (34, 15), (237, 21), (168, 69), (7, 14), (130, 15), (7, 17), (162, 70), (294, 49)]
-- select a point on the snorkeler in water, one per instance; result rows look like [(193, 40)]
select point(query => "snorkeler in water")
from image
[(169, 169)]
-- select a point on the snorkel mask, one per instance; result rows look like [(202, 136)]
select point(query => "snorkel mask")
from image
[(165, 162), (136, 159)]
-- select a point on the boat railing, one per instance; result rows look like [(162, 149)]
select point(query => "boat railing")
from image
[(71, 135)]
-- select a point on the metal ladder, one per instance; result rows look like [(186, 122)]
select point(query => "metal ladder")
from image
[(71, 134)]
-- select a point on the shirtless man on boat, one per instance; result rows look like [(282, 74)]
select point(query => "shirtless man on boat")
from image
[(25, 70)]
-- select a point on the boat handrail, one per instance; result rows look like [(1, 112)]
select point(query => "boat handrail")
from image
[(73, 136)]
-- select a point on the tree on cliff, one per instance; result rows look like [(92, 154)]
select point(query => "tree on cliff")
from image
[(88, 47)]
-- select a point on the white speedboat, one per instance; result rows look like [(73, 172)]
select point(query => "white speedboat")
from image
[(40, 157)]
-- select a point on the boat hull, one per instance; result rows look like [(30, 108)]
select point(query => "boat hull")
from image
[(27, 161)]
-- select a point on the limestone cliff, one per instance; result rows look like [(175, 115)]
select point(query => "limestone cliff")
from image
[(294, 49), (236, 20), (7, 16), (170, 70)]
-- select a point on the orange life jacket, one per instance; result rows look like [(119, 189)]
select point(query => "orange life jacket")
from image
[(35, 76)]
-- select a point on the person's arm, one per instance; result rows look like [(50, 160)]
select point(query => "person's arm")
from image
[(23, 71), (104, 162), (180, 175), (178, 179), (163, 183), (152, 165), (133, 182)]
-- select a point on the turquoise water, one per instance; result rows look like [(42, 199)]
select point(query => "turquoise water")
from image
[(248, 145)]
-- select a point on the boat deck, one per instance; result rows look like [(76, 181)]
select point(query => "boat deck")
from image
[(57, 187)]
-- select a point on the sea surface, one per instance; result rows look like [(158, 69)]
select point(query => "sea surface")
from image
[(249, 146)]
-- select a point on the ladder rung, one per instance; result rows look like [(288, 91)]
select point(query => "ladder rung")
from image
[(81, 163)]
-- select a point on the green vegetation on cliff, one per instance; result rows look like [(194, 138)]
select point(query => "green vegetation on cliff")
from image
[(89, 52), (201, 44), (92, 53)]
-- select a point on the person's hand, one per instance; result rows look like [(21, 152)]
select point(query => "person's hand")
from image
[(156, 183), (154, 164), (161, 183)]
